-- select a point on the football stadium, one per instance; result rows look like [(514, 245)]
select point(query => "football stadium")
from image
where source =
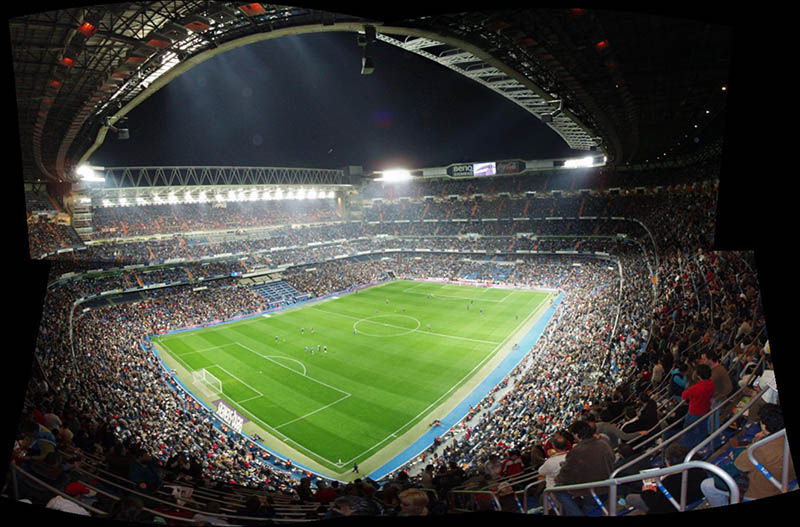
[(301, 264)]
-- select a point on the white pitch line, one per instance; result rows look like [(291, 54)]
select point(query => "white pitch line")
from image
[(250, 399), (410, 330), (293, 371), (458, 384), (208, 349), (235, 377), (312, 413)]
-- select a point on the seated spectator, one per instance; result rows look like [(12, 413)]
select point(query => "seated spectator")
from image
[(413, 502), (769, 455), (304, 491), (591, 459), (493, 467), (353, 506), (143, 472), (324, 493), (512, 465), (552, 465), (651, 500)]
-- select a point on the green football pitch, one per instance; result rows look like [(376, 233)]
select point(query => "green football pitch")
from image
[(396, 353)]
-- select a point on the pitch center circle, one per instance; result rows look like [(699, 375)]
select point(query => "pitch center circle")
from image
[(401, 331)]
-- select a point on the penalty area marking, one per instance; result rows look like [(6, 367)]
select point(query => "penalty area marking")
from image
[(369, 319)]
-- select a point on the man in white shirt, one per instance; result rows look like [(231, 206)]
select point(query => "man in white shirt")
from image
[(549, 469)]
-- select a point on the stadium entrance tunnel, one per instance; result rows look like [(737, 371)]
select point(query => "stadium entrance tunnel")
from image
[(386, 325)]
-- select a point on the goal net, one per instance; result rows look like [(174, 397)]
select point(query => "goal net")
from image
[(207, 380)]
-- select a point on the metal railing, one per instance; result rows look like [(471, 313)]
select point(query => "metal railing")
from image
[(18, 471), (612, 483), (782, 485)]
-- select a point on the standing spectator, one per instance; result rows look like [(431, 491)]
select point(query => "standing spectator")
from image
[(699, 397), (765, 381), (722, 388), (678, 380), (591, 459)]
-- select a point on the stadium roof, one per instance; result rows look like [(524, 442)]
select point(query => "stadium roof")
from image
[(639, 87)]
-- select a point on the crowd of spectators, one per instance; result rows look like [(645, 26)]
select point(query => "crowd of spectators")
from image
[(623, 325)]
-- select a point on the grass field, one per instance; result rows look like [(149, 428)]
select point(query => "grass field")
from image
[(384, 370)]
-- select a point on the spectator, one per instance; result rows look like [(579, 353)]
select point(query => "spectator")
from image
[(591, 459), (552, 465), (512, 465), (413, 502), (699, 397), (324, 493), (610, 431), (143, 472), (722, 388), (769, 455), (652, 500)]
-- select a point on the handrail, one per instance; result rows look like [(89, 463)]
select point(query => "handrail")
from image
[(17, 469), (528, 486), (612, 484), (182, 507), (669, 441), (727, 423), (476, 491), (783, 486)]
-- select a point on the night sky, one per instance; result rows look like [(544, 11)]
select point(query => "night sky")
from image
[(301, 101)]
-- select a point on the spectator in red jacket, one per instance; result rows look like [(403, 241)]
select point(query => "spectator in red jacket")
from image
[(512, 465), (699, 396)]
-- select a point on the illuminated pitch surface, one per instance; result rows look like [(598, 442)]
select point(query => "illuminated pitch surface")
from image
[(384, 370)]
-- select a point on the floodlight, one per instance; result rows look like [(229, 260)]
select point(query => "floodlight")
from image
[(578, 163), (395, 174), (123, 202), (87, 173), (301, 194), (253, 195), (279, 194), (187, 197), (312, 194), (330, 194), (220, 198), (290, 195)]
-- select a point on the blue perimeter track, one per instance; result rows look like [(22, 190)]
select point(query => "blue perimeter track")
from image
[(475, 397)]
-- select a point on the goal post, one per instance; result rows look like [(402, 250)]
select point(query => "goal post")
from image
[(206, 379)]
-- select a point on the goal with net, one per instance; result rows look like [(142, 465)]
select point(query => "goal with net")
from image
[(207, 380)]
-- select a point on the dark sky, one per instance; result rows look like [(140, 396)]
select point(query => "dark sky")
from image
[(301, 101)]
